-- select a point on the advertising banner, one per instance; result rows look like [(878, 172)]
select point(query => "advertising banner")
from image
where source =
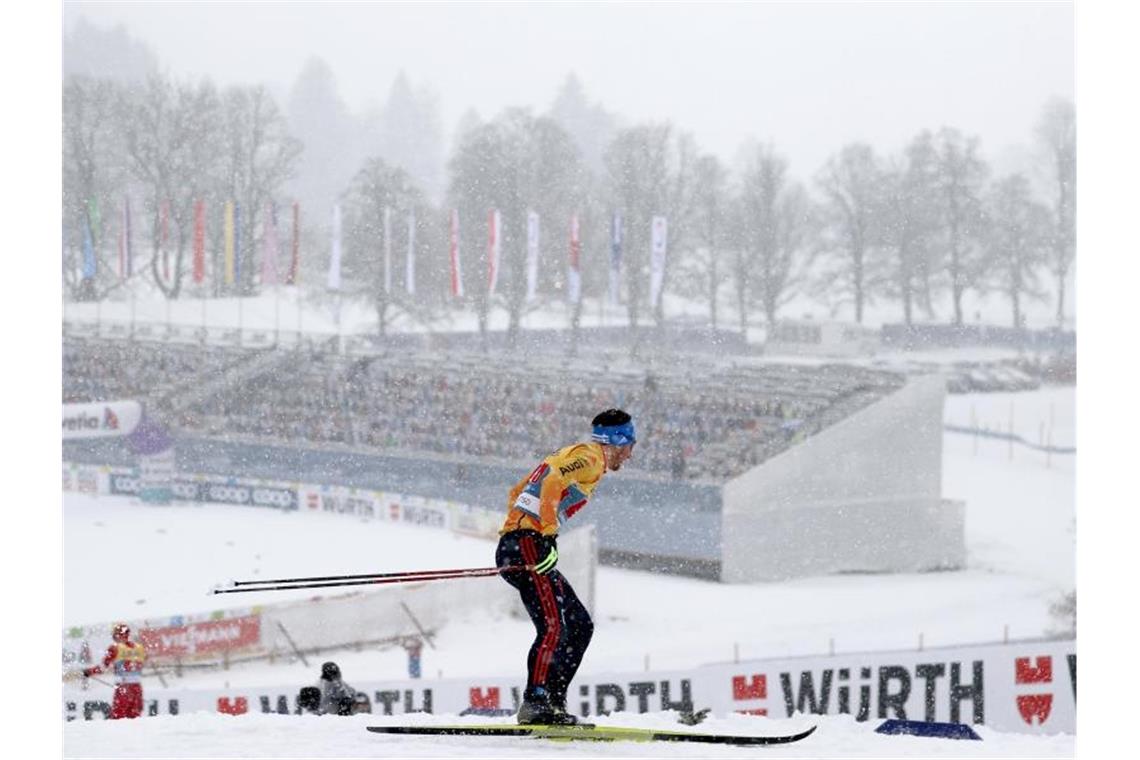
[(201, 638), (253, 493), (103, 419), (1028, 687)]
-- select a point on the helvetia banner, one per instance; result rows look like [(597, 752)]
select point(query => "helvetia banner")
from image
[(102, 419)]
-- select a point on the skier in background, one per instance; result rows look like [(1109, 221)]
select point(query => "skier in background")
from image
[(125, 658), (538, 505)]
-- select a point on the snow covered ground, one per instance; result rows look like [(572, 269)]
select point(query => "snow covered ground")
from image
[(1020, 536), (281, 736)]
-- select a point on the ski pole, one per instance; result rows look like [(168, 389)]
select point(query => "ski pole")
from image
[(370, 576), (377, 579)]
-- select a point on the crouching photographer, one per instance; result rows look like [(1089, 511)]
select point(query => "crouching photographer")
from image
[(332, 696)]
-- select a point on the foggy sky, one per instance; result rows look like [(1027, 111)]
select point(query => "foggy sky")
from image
[(807, 77)]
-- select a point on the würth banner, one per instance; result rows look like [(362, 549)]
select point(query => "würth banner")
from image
[(1028, 687)]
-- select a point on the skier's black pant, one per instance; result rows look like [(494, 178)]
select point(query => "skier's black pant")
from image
[(562, 625)]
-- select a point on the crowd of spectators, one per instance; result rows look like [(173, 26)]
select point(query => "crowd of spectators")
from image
[(701, 418), (99, 369)]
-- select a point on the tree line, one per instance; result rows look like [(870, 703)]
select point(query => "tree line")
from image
[(927, 224)]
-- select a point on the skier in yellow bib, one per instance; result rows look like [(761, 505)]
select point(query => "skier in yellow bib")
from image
[(538, 505)]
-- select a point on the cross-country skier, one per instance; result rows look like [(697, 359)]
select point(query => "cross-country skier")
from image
[(538, 505), (125, 658)]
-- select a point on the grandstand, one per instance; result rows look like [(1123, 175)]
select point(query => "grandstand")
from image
[(464, 425)]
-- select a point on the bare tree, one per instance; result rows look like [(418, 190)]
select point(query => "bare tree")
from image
[(259, 156), (701, 272), (1018, 241), (93, 178), (643, 181), (1057, 133), (378, 190), (910, 220), (777, 216), (170, 146), (849, 182), (961, 177)]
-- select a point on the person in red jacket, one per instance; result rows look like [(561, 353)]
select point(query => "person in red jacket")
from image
[(125, 658)]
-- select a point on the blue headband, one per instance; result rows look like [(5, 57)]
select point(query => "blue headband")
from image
[(615, 435)]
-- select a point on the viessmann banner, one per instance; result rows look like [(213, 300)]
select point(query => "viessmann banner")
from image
[(1028, 687)]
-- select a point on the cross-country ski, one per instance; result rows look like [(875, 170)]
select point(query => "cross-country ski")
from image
[(592, 733)]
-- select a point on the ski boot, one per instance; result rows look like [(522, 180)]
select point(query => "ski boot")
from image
[(540, 709)]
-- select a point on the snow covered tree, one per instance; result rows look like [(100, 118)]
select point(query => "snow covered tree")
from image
[(514, 164), (375, 190), (850, 185), (648, 173), (702, 272), (258, 156), (961, 178), (776, 223), (1057, 133), (411, 135), (909, 222), (588, 124), (1018, 241), (94, 179)]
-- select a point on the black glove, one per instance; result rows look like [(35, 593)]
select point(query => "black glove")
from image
[(547, 554)]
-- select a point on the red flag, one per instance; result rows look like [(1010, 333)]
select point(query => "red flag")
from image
[(456, 275), (494, 245), (199, 241)]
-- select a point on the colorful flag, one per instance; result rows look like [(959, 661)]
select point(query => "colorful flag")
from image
[(657, 259), (199, 241), (269, 251), (334, 259), (456, 271), (95, 219), (531, 255), (615, 258), (410, 272), (89, 263), (125, 259), (295, 259), (228, 237), (494, 247), (574, 276), (387, 250)]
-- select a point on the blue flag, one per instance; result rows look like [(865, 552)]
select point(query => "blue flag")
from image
[(88, 251)]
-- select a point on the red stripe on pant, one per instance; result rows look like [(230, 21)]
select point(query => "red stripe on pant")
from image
[(550, 610)]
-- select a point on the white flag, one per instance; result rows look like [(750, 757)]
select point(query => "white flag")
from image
[(657, 259), (494, 247), (387, 250), (334, 260), (410, 274), (531, 255)]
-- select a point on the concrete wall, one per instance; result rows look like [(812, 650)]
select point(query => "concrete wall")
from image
[(863, 495)]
